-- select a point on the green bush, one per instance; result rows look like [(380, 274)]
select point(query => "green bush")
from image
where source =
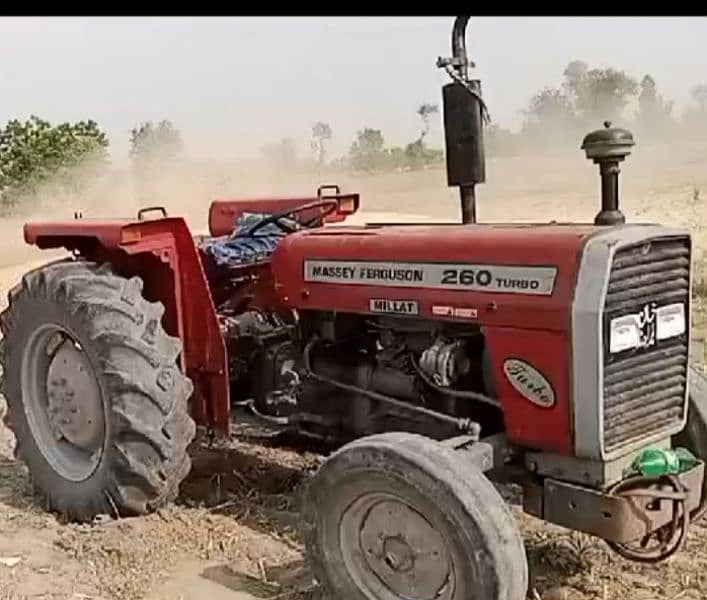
[(367, 153), (150, 142), (34, 151)]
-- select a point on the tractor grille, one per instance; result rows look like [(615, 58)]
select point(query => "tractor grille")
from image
[(644, 389)]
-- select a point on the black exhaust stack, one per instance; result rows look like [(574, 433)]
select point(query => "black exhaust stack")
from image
[(464, 113), (608, 147)]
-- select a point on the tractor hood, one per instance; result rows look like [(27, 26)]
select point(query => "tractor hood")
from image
[(497, 274)]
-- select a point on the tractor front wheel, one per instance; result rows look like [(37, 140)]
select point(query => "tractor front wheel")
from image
[(95, 397), (694, 435), (398, 515)]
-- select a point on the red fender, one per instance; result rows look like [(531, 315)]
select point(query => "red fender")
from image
[(163, 254)]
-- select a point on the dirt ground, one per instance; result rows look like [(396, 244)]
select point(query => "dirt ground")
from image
[(232, 534)]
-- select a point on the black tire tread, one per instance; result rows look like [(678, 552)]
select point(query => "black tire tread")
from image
[(481, 503), (148, 394)]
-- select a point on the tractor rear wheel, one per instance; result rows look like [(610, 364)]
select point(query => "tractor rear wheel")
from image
[(398, 515), (96, 399)]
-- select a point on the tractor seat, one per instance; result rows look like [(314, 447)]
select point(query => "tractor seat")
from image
[(240, 248)]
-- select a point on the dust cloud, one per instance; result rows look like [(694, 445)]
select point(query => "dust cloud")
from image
[(660, 182)]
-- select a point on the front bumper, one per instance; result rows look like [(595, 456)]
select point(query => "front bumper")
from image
[(619, 518)]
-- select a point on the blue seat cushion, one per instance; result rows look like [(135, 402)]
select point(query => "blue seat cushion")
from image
[(239, 248)]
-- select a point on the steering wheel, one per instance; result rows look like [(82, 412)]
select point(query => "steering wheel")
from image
[(277, 219)]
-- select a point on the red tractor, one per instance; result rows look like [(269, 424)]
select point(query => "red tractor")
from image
[(438, 357)]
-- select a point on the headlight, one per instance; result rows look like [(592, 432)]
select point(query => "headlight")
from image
[(625, 333), (644, 329), (670, 321)]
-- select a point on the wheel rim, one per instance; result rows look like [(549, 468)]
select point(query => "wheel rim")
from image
[(392, 552), (63, 402)]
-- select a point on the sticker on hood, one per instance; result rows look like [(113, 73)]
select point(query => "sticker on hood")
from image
[(533, 280), (394, 307), (529, 382)]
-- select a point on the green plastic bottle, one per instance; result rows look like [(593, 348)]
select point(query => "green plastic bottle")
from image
[(687, 459), (654, 462)]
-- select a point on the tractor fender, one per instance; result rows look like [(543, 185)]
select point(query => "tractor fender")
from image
[(163, 253)]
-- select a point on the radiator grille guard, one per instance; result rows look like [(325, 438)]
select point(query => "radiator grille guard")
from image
[(644, 388)]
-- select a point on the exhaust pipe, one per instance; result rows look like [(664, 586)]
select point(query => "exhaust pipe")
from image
[(464, 112)]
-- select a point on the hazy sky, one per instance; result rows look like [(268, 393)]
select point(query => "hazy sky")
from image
[(235, 83)]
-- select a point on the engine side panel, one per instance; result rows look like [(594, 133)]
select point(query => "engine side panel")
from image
[(537, 413), (527, 329)]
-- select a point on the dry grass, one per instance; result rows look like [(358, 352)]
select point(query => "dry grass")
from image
[(238, 510)]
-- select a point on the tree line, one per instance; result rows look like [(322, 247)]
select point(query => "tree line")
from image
[(71, 154), (586, 97), (368, 152)]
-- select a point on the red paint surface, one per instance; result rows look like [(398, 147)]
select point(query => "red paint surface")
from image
[(223, 213), (534, 426), (51, 234), (531, 328)]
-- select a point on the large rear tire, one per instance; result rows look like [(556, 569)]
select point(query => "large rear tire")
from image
[(96, 399), (398, 515)]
